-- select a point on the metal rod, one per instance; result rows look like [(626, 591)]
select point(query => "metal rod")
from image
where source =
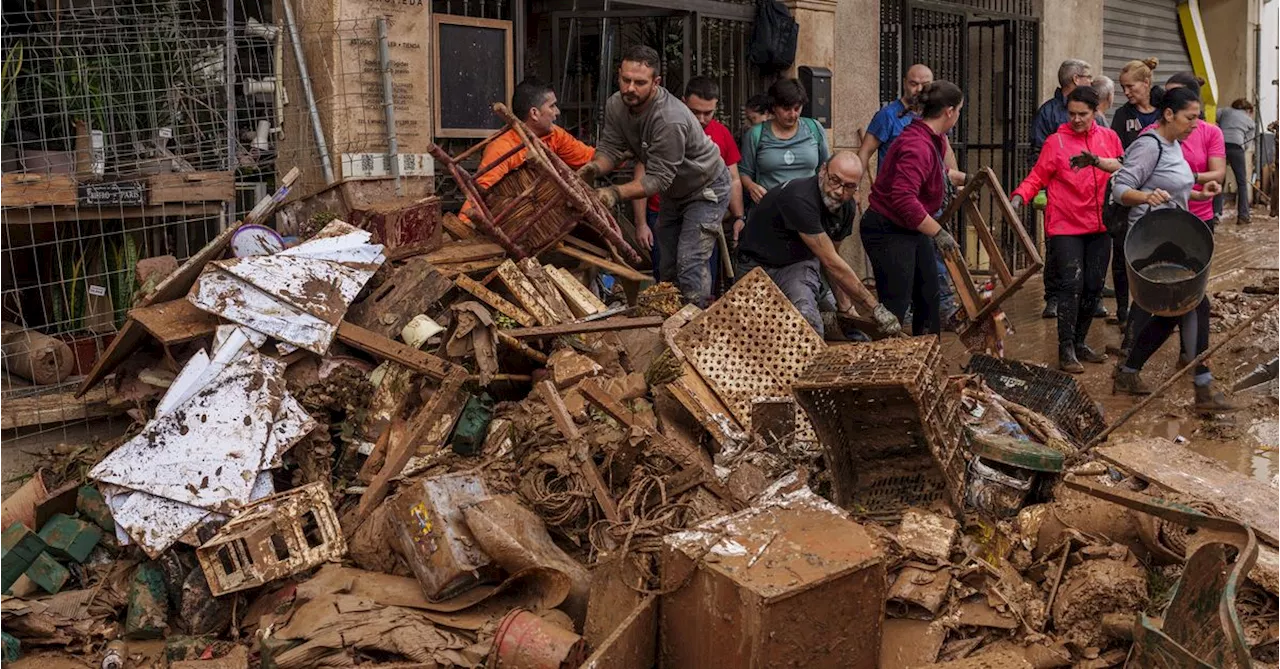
[(388, 103), (230, 83), (321, 145), (1102, 436)]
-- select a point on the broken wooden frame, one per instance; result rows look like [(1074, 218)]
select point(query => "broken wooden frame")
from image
[(975, 310), (273, 538), (522, 238)]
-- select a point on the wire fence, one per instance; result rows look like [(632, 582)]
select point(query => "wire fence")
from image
[(114, 125)]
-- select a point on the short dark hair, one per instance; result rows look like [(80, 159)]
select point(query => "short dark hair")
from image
[(1242, 104), (645, 55), (758, 103), (1085, 94), (530, 93), (1177, 99), (936, 96), (787, 93), (703, 87)]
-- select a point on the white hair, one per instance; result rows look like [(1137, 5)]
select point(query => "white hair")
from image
[(1105, 88)]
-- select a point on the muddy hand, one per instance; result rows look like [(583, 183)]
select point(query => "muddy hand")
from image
[(608, 196)]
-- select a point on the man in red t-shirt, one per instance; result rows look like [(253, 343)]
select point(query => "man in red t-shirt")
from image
[(701, 96)]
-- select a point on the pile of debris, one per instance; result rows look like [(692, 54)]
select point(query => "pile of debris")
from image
[(353, 455)]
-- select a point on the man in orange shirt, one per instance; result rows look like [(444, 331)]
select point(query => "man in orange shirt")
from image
[(534, 103)]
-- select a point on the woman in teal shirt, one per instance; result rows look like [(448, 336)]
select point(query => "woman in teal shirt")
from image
[(787, 147)]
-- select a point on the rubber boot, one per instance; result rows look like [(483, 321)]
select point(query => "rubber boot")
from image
[(1210, 399), (1067, 361), (1129, 383), (1086, 354), (1050, 309)]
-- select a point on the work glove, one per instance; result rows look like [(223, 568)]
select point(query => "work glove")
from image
[(608, 196), (886, 322), (1085, 159), (946, 243), (589, 172)]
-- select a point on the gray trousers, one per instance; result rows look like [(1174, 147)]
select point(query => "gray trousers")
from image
[(802, 284), (687, 233)]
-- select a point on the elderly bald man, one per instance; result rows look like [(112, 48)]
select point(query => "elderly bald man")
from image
[(792, 234)]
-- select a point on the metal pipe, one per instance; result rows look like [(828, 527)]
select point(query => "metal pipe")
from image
[(321, 145), (229, 80), (388, 103)]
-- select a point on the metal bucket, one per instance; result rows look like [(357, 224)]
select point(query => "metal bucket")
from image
[(1167, 256)]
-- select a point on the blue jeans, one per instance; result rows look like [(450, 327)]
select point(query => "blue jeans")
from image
[(690, 227), (655, 253)]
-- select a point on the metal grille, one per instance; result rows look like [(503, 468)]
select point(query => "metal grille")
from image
[(890, 50), (891, 433), (990, 49)]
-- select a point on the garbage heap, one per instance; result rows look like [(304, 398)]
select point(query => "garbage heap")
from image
[(345, 456)]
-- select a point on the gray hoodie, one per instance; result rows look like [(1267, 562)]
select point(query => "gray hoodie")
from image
[(1237, 126), (1141, 171)]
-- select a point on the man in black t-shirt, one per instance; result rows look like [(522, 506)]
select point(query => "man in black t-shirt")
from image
[(792, 234)]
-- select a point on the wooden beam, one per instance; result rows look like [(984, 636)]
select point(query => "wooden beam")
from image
[(54, 408), (581, 301), (191, 187), (537, 275), (494, 300), (36, 190), (619, 270), (564, 422), (606, 325), (175, 321), (525, 293), (419, 361)]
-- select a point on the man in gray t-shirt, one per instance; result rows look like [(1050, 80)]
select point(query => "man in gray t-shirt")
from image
[(680, 162)]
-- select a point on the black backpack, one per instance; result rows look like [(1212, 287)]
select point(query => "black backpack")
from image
[(1115, 216), (773, 36)]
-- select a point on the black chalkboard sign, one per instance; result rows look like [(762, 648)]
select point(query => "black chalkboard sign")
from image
[(473, 70), (115, 193)]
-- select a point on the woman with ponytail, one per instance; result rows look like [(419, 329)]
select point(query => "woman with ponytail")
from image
[(899, 229), (1129, 121)]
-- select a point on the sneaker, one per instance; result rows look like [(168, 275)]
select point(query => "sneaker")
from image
[(1100, 311), (1067, 361), (1086, 354), (1108, 291), (1129, 383), (1121, 318), (1243, 220), (1209, 399), (1050, 309)]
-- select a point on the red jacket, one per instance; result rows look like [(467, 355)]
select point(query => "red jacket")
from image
[(1075, 196), (910, 183)]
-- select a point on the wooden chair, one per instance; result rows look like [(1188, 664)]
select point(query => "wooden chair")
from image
[(534, 207)]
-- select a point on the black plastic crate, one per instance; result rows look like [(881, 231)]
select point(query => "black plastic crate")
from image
[(1055, 394)]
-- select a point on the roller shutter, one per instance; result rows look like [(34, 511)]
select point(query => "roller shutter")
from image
[(1137, 29)]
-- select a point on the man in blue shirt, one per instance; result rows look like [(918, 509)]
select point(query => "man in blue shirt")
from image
[(893, 117), (1072, 72)]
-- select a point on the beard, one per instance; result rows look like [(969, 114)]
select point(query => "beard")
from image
[(633, 100), (832, 203)]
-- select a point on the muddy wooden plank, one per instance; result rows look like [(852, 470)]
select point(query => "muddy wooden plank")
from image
[(564, 422), (537, 275), (1180, 470), (465, 252), (371, 342), (404, 442), (459, 228), (527, 296), (175, 321), (633, 643), (34, 190), (606, 325), (581, 301), (617, 269), (495, 300), (470, 267), (54, 408), (412, 289), (191, 187), (705, 406)]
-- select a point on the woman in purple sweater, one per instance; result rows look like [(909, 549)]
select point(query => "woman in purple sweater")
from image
[(899, 225)]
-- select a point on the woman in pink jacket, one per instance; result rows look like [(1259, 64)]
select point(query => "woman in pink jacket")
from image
[(1077, 239)]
